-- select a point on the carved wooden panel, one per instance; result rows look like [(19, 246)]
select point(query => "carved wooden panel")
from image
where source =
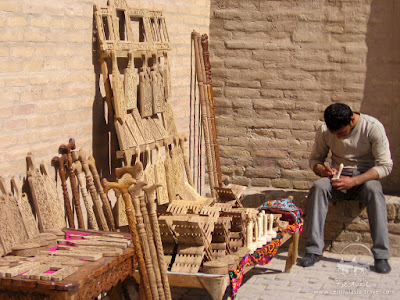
[(131, 83), (134, 129), (169, 120), (47, 205), (160, 126), (166, 77), (149, 171), (25, 209), (145, 91), (7, 235), (146, 133), (149, 123), (118, 90), (178, 166), (160, 178), (125, 138), (157, 83)]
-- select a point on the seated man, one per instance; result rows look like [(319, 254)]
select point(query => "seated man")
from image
[(359, 142)]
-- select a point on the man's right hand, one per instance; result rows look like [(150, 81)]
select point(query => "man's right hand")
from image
[(327, 172), (324, 171)]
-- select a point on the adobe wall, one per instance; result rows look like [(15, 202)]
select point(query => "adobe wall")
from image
[(276, 65), (50, 83)]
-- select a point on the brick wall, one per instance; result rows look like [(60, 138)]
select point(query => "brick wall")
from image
[(276, 66), (50, 84)]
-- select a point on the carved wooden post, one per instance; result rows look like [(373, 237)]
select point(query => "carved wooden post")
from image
[(59, 162), (150, 238), (66, 149), (123, 187), (98, 210), (77, 165), (103, 196), (134, 191), (151, 198)]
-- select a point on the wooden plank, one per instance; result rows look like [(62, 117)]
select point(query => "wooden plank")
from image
[(293, 251), (90, 256), (98, 243)]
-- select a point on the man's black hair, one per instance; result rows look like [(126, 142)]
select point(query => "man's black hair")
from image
[(337, 116)]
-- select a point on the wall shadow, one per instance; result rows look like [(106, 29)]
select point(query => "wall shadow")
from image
[(382, 85), (104, 139)]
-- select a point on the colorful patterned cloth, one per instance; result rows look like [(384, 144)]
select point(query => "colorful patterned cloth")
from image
[(290, 212), (261, 256)]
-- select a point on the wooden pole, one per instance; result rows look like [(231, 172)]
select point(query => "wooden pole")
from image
[(59, 162), (152, 246), (123, 187), (66, 149), (93, 193), (92, 223), (207, 66), (151, 199), (106, 203), (134, 191), (203, 104)]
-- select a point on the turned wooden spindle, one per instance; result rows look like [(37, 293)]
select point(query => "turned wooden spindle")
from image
[(270, 231), (59, 162), (106, 203), (249, 235), (77, 165), (150, 238), (98, 210), (66, 149), (122, 188), (134, 191), (151, 199)]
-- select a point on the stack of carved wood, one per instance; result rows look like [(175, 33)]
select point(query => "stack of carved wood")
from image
[(60, 256), (197, 233)]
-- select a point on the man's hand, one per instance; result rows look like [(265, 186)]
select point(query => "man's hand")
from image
[(343, 183), (324, 170), (327, 171)]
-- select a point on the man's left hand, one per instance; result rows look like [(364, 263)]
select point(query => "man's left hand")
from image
[(343, 183)]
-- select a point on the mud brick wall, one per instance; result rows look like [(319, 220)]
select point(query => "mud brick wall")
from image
[(50, 83), (346, 227), (277, 64)]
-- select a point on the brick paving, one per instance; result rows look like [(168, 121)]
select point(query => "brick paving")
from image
[(327, 279)]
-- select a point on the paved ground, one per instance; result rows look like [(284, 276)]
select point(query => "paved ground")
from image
[(328, 279)]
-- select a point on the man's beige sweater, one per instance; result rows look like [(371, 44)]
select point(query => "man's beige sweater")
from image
[(365, 147)]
